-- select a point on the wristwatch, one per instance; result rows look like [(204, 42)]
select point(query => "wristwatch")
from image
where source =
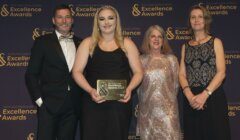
[(208, 92)]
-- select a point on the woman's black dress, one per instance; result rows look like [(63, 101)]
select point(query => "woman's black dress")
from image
[(109, 120), (211, 123)]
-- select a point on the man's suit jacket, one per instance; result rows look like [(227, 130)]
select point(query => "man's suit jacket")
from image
[(47, 75)]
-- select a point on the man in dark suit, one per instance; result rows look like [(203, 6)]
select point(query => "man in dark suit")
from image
[(49, 80)]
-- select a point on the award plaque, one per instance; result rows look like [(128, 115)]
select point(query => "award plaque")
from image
[(112, 89)]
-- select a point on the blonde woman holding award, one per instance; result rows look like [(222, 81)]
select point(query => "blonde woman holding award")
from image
[(108, 57)]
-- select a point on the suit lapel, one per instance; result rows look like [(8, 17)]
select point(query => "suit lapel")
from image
[(58, 48)]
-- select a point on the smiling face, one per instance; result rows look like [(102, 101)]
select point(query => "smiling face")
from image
[(155, 40), (63, 21), (107, 21), (197, 20)]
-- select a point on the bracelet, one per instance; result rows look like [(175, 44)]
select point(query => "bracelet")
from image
[(185, 88), (209, 93)]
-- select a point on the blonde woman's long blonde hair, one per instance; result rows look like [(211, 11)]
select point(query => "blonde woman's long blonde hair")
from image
[(96, 33), (145, 48)]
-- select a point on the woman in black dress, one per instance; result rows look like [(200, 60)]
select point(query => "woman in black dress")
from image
[(106, 55), (202, 71)]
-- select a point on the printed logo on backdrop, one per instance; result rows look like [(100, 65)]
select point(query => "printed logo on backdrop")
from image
[(4, 10), (232, 56), (84, 10), (20, 10), (234, 110), (14, 59), (31, 136), (221, 8), (132, 136), (151, 10), (136, 109), (72, 9), (17, 113), (177, 33), (132, 32), (2, 59), (40, 31)]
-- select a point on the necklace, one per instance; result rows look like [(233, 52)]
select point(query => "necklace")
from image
[(198, 42)]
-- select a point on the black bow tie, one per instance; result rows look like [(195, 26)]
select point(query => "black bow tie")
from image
[(62, 37)]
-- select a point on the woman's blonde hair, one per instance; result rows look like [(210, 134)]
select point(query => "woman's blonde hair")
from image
[(96, 33), (145, 49), (206, 16)]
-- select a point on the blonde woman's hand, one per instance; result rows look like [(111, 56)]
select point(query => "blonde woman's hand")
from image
[(127, 96), (95, 96)]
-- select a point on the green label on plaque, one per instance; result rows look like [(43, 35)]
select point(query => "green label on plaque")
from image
[(112, 89)]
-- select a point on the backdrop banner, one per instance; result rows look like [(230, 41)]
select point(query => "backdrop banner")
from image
[(22, 21)]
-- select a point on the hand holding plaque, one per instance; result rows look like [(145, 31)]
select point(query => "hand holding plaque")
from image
[(112, 89)]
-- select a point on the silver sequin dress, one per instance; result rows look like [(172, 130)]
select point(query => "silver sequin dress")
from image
[(158, 117)]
